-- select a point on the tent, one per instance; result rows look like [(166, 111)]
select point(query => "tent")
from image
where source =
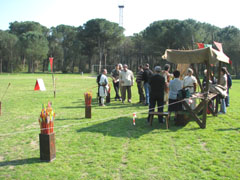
[(195, 56), (206, 56)]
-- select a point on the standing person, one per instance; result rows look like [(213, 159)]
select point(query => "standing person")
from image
[(223, 82), (174, 86), (146, 76), (115, 77), (120, 66), (139, 81), (229, 85), (126, 79), (98, 95), (167, 77), (157, 86), (103, 86), (212, 79), (190, 83)]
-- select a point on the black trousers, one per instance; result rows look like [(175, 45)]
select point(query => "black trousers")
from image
[(160, 102), (116, 88), (140, 91), (128, 89)]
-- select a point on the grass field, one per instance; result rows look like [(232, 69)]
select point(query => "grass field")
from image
[(108, 146)]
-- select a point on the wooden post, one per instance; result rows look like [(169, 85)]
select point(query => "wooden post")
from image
[(219, 71), (88, 111), (47, 147), (185, 104), (54, 85), (197, 77), (206, 96), (218, 82)]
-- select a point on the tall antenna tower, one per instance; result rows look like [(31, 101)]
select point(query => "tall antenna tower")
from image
[(121, 6)]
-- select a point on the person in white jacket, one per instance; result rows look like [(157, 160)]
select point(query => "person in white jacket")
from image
[(103, 86), (126, 79)]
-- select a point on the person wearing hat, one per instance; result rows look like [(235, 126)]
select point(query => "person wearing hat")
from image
[(157, 85)]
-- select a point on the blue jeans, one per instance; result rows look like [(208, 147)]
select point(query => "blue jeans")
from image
[(146, 88), (223, 106)]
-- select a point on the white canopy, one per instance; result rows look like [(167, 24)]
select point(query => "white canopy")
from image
[(195, 56)]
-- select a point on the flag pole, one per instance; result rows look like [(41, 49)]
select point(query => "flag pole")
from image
[(53, 79)]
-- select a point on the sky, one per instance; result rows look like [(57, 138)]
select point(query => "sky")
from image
[(137, 14)]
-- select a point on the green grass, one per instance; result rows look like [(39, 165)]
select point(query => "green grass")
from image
[(108, 146)]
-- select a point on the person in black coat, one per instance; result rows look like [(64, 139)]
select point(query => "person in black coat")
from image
[(147, 73), (157, 86)]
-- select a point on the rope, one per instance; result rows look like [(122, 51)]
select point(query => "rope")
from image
[(5, 91), (80, 123)]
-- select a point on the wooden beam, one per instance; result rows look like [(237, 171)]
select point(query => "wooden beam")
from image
[(211, 109), (199, 107), (219, 71), (193, 114), (197, 77), (204, 121), (218, 82)]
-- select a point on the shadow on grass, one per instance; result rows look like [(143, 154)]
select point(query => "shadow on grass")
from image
[(123, 127), (229, 129), (21, 162), (64, 119), (107, 105)]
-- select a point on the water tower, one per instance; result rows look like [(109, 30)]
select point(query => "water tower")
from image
[(121, 6)]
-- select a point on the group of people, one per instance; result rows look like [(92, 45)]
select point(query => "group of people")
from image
[(157, 87), (122, 78)]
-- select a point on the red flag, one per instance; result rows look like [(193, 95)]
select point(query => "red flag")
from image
[(200, 45), (50, 64), (36, 88), (219, 46)]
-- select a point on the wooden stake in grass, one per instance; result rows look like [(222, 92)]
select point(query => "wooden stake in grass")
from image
[(2, 98), (50, 68), (54, 85)]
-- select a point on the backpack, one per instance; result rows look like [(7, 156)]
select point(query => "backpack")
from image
[(183, 93)]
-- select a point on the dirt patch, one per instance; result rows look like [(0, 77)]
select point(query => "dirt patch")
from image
[(34, 144), (204, 146), (1, 158), (33, 125), (11, 167)]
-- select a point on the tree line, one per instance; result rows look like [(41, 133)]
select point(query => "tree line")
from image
[(26, 46)]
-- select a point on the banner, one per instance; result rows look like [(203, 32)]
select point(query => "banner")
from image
[(207, 45), (50, 65), (219, 46), (200, 45)]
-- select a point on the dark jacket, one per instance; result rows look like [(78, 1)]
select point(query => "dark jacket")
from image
[(139, 76), (157, 85), (229, 81), (147, 73)]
